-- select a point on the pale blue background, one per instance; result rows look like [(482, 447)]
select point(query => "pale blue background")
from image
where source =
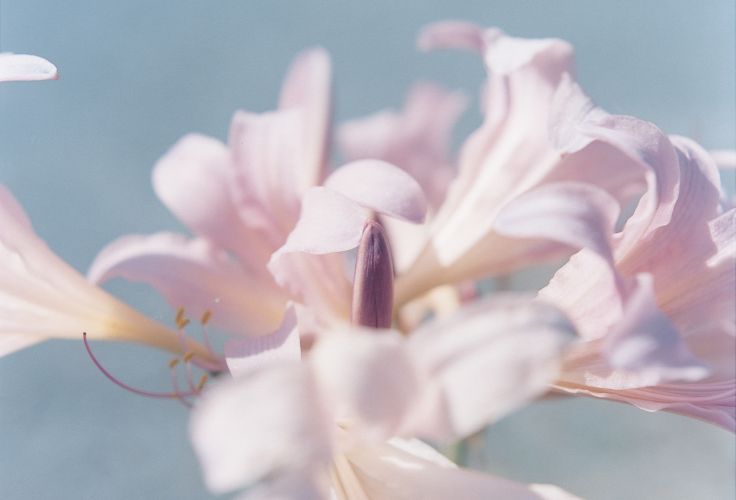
[(136, 75)]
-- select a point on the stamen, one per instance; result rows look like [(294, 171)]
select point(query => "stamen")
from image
[(175, 384), (163, 395), (202, 380), (206, 317), (373, 288)]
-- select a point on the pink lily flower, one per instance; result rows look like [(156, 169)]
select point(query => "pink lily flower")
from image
[(24, 67), (240, 200), (325, 426), (481, 228), (42, 297), (657, 317)]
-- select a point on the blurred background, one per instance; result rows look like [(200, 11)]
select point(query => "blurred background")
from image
[(137, 75)]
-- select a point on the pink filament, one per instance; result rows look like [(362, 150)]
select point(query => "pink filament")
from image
[(162, 395)]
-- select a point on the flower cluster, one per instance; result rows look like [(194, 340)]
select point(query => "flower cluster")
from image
[(351, 298)]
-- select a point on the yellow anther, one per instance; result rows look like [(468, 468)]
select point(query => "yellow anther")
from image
[(173, 363), (188, 356), (179, 315), (181, 324), (202, 381), (206, 317)]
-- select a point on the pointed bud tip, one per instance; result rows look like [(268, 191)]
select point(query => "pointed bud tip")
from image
[(373, 288)]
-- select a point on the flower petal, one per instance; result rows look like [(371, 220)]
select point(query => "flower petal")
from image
[(24, 67), (261, 427), (405, 470), (381, 187), (307, 88), (367, 377), (417, 138), (246, 354), (42, 297), (514, 345), (196, 276), (646, 342), (193, 180)]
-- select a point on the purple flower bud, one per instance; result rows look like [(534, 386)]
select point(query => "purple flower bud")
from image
[(373, 287)]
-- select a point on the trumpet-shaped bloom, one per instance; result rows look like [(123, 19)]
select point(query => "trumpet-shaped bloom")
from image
[(24, 67), (507, 169), (658, 320), (296, 428), (240, 200), (42, 297)]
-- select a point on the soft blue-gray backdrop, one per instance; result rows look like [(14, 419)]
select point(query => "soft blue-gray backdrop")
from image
[(137, 75)]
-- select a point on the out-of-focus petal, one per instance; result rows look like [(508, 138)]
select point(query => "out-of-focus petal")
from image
[(508, 348), (406, 470), (246, 354), (368, 378), (268, 423), (41, 296), (724, 158), (307, 89), (416, 139), (196, 276), (24, 67), (452, 35), (381, 187)]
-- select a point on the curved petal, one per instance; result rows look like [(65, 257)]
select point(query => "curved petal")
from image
[(262, 427), (196, 276), (381, 187), (646, 342), (329, 222), (513, 345), (307, 89), (24, 67), (43, 297), (574, 214), (193, 180)]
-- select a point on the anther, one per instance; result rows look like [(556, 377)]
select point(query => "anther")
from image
[(173, 363), (373, 288), (202, 380), (188, 356), (206, 317)]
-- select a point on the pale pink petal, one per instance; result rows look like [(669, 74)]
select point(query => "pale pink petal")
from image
[(43, 297), (307, 88), (269, 166), (574, 214), (452, 35), (24, 67), (406, 470), (196, 276), (508, 348), (368, 379), (193, 180), (646, 342), (260, 427), (417, 138), (246, 354), (381, 187), (329, 222)]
